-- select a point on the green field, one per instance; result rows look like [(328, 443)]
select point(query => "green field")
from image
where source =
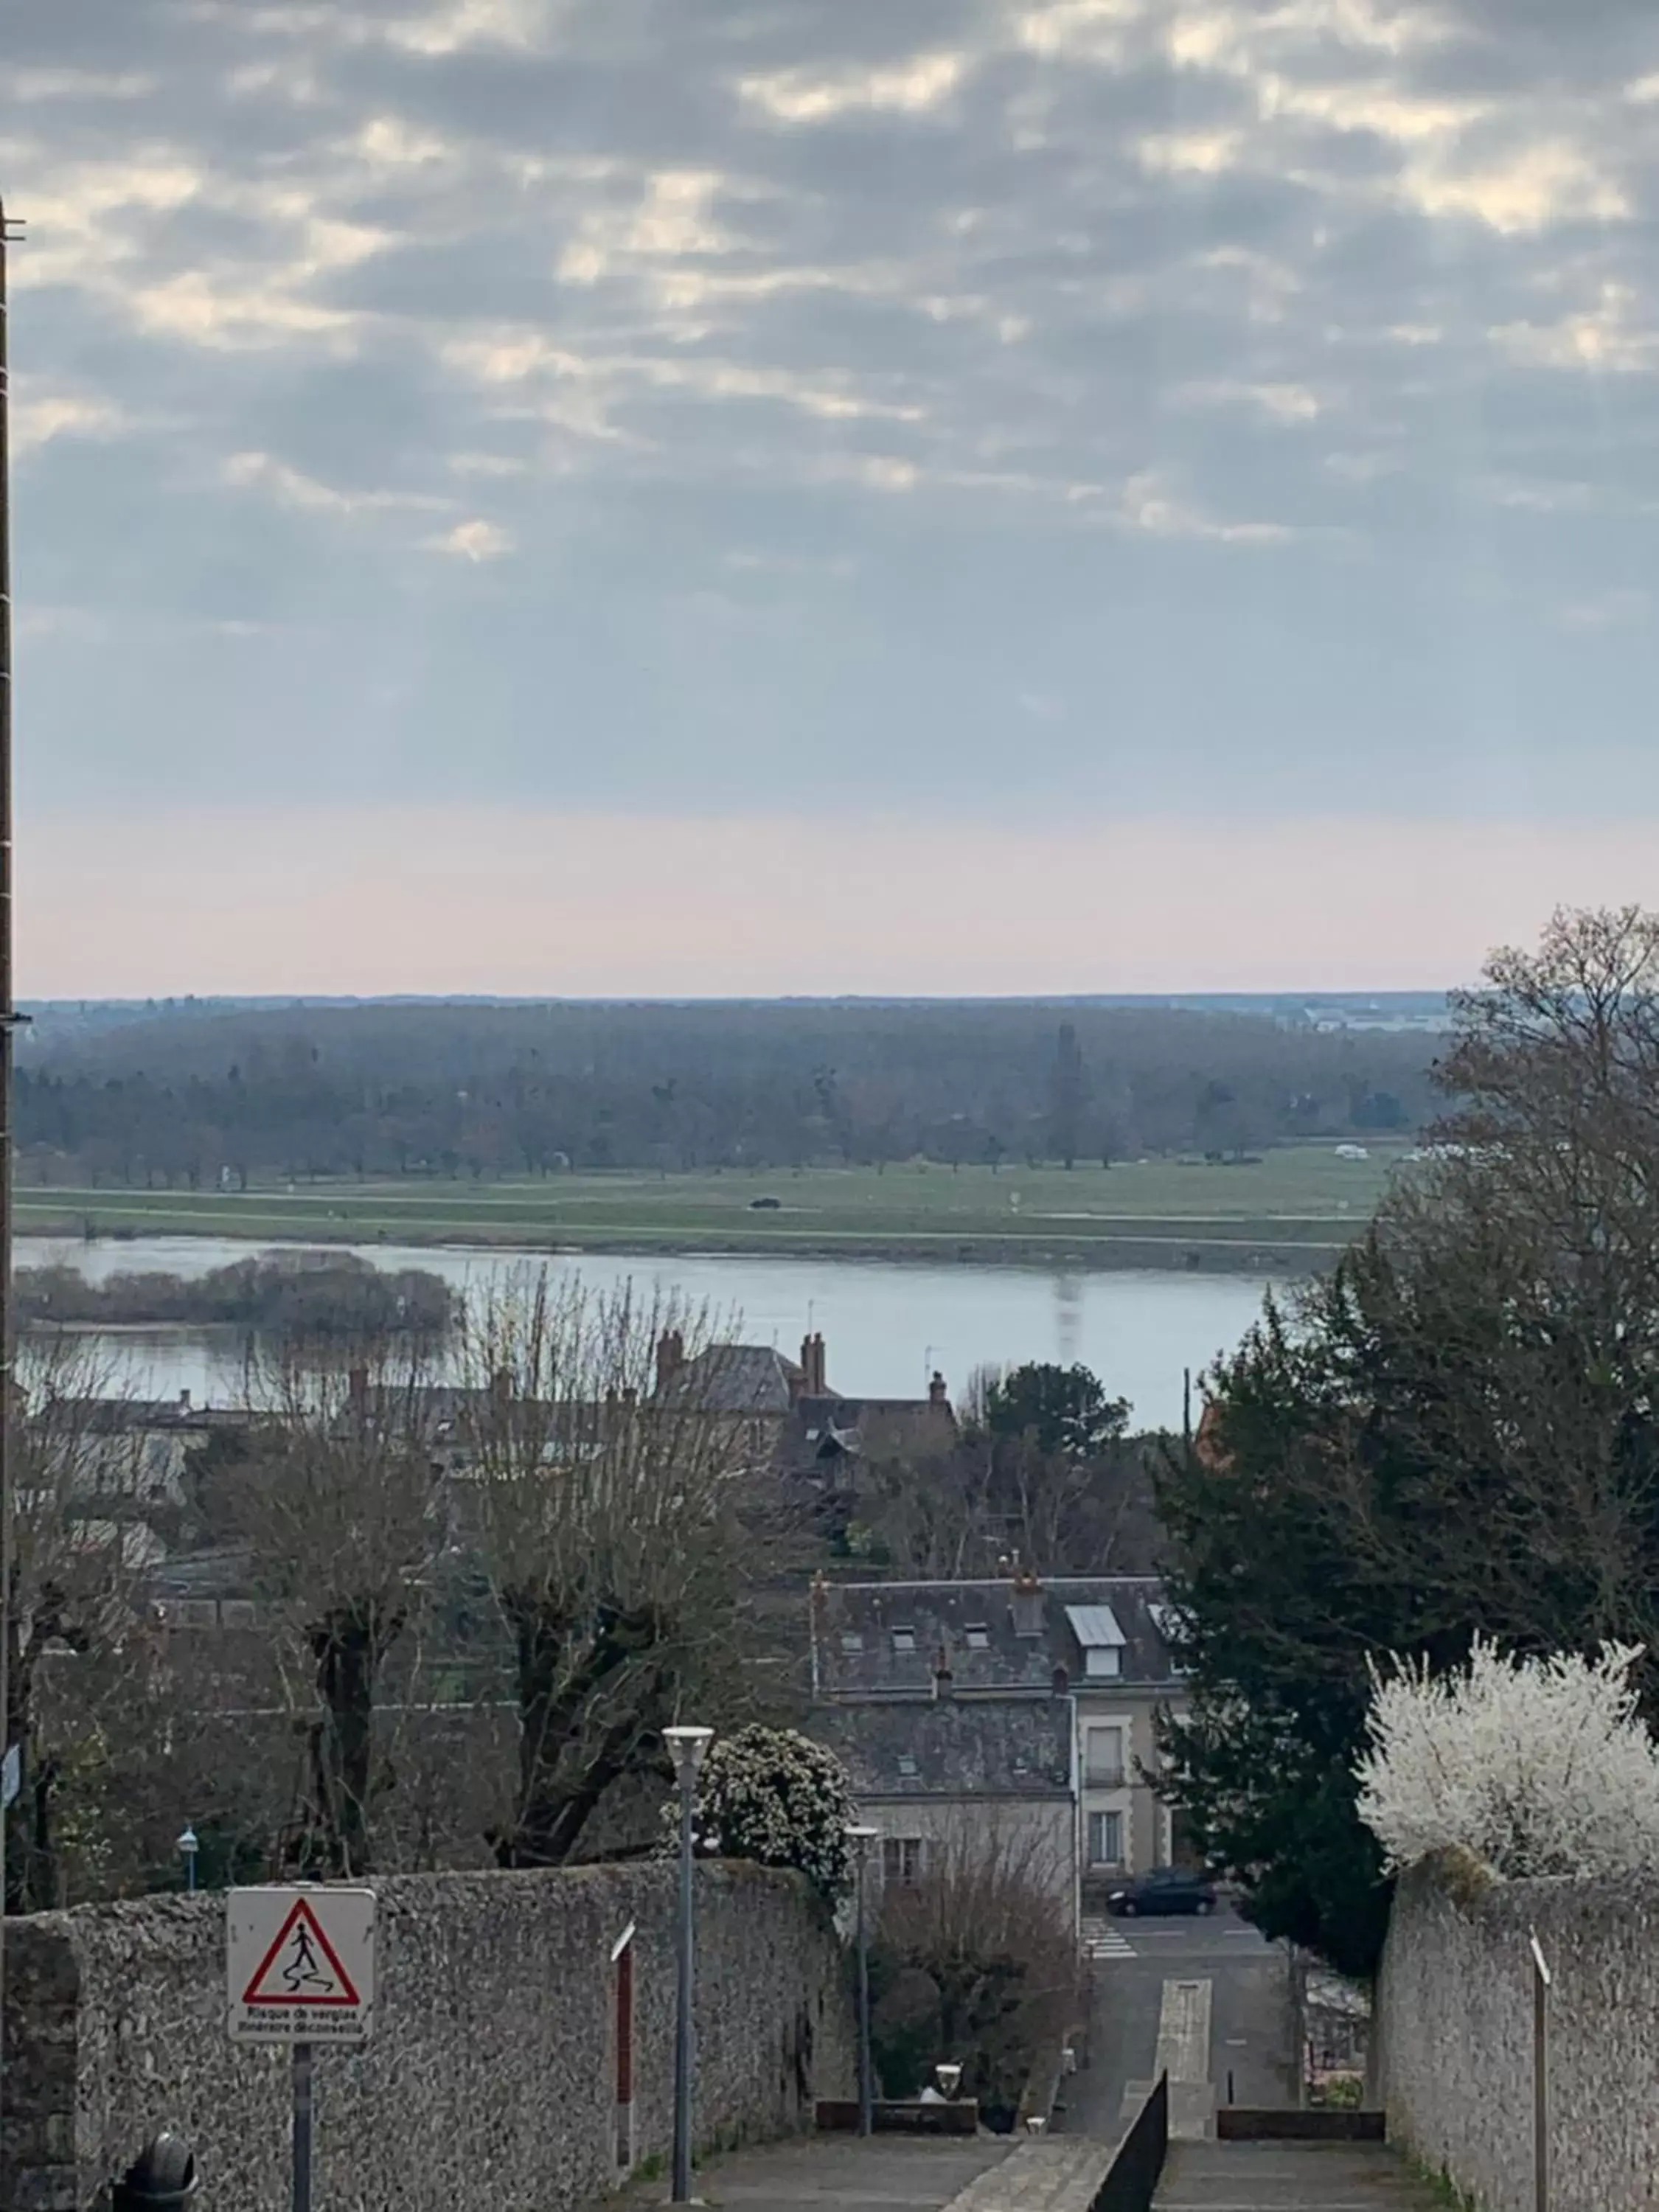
[(1294, 1209)]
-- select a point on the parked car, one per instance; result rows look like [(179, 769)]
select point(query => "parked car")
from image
[(1165, 1889)]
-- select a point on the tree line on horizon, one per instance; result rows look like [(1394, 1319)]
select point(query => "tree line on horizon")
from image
[(193, 1099)]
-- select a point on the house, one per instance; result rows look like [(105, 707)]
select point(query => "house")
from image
[(1097, 1648), (957, 1773)]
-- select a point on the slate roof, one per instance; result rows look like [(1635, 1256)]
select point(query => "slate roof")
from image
[(882, 1640), (737, 1378), (822, 1431), (985, 1748)]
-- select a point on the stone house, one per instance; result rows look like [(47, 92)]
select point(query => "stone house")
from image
[(1094, 1651), (958, 1776)]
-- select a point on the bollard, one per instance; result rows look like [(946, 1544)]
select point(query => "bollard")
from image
[(161, 2179)]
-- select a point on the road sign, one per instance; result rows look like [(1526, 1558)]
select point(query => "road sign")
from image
[(301, 1965)]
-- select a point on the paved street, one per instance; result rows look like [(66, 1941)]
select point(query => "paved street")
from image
[(1249, 2024)]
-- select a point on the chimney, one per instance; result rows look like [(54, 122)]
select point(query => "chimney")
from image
[(1061, 1682), (938, 1394), (805, 1389), (184, 1402), (1027, 1604), (358, 1385), (500, 1389), (820, 1378), (944, 1681), (670, 1357)]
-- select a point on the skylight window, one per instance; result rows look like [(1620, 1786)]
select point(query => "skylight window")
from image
[(904, 1639)]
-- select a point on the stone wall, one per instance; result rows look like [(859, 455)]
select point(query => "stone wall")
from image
[(1455, 2032), (490, 2082)]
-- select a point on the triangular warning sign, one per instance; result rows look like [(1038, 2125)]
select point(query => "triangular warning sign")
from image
[(301, 1967)]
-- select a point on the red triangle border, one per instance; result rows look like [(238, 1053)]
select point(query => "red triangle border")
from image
[(301, 1909)]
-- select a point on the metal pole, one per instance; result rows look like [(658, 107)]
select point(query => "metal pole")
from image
[(683, 2018), (866, 2083), (8, 1015), (302, 2127), (1541, 2080)]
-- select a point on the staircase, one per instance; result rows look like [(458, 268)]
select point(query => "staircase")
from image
[(1287, 2177)]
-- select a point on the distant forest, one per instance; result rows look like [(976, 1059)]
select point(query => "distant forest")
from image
[(192, 1098)]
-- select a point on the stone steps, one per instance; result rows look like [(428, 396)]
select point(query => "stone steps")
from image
[(1056, 2173), (1287, 2177)]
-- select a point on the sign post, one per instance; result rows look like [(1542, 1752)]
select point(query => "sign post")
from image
[(300, 1970)]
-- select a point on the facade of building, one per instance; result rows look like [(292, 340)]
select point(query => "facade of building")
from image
[(1086, 1661)]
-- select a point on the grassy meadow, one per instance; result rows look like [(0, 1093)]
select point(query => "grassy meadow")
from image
[(1293, 1209)]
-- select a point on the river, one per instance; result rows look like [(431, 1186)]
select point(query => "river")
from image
[(885, 1326)]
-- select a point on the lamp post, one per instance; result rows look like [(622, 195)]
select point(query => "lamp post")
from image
[(686, 1748), (861, 1838), (187, 1848)]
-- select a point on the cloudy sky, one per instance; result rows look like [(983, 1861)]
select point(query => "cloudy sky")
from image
[(586, 495)]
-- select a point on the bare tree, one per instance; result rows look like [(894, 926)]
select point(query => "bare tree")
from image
[(613, 1502), (977, 1960), (341, 1506), (79, 1549)]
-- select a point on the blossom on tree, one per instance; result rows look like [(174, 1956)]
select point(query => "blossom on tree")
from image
[(1537, 1765), (775, 1797)]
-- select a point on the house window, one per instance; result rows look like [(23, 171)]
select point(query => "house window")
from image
[(907, 1766), (977, 1636), (901, 1860), (1102, 1659), (851, 1640), (904, 1639), (1103, 1758), (1105, 1839)]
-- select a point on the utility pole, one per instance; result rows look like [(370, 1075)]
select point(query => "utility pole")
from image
[(10, 234)]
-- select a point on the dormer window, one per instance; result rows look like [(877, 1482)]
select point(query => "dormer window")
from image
[(906, 1766)]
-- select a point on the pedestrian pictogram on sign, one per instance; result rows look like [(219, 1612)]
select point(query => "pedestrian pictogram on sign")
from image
[(300, 1964), (301, 1967)]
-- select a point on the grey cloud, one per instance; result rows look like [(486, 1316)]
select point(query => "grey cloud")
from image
[(1244, 379)]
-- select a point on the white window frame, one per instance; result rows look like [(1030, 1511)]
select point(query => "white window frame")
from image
[(1114, 1776), (1100, 1824)]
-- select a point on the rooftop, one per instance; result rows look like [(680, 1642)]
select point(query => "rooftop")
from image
[(888, 1640)]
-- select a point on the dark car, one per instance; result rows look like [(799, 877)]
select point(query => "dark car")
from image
[(1165, 1889)]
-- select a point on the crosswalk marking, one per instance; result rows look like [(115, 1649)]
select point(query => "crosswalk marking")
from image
[(1101, 1940)]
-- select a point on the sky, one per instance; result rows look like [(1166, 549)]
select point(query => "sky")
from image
[(627, 496)]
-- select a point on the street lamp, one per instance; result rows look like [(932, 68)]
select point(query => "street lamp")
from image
[(686, 1748), (187, 1848), (861, 1838)]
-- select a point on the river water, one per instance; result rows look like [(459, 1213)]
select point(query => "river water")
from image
[(886, 1325)]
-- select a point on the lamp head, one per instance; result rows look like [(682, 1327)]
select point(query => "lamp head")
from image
[(687, 1747)]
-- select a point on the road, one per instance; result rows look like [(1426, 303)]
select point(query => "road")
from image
[(1251, 2028)]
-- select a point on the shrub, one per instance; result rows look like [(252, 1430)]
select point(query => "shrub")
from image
[(1539, 1765)]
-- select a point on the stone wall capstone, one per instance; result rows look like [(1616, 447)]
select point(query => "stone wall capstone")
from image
[(1455, 2010), (490, 2082)]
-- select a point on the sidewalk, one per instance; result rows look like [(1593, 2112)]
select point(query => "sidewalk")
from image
[(884, 2173)]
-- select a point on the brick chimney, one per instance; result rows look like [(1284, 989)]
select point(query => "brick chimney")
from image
[(944, 1681), (1027, 1604), (938, 1393), (670, 1357), (812, 1382)]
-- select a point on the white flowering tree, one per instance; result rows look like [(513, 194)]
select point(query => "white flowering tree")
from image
[(776, 1797), (1539, 1765)]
